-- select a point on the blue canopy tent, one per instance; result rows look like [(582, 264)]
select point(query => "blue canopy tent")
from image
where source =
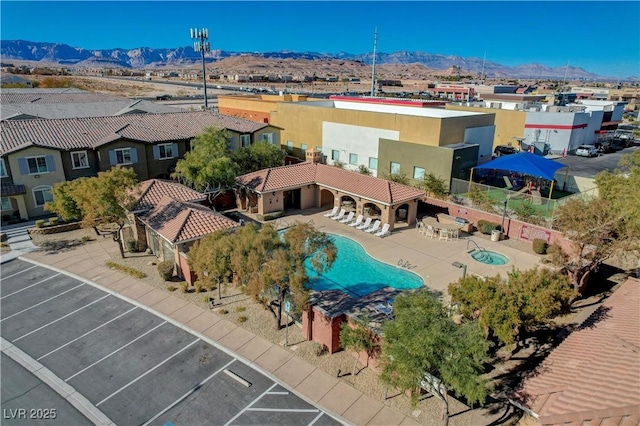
[(525, 163)]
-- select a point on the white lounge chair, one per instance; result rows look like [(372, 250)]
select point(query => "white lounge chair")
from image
[(365, 225), (332, 212), (374, 227), (444, 235), (384, 231), (340, 215), (358, 221), (348, 219)]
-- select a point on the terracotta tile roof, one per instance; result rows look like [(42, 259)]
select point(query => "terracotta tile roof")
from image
[(40, 97), (8, 189), (595, 373), (355, 183), (178, 221), (92, 132), (150, 192)]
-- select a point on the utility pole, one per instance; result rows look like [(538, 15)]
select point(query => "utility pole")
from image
[(202, 45), (373, 70)]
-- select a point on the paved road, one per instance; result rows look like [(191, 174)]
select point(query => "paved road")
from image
[(590, 167), (132, 366)]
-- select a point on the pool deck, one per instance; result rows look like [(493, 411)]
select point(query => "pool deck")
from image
[(428, 257)]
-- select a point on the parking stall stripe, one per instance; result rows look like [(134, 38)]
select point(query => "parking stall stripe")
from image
[(60, 319), (87, 333), (316, 419), (186, 395), (18, 273), (253, 402), (285, 410), (29, 286), (117, 350), (278, 393), (43, 302), (148, 372)]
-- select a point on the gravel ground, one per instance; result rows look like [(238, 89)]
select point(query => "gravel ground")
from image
[(260, 322)]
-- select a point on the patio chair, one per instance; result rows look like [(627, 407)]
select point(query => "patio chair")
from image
[(430, 231), (422, 228), (384, 232), (347, 219), (331, 213), (444, 235), (384, 309), (374, 227), (358, 221), (365, 225), (340, 215)]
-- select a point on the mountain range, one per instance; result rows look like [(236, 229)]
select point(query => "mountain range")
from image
[(181, 57)]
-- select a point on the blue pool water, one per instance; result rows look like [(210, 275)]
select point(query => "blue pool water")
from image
[(489, 257), (357, 274)]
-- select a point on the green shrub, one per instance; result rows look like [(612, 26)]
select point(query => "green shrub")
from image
[(184, 287), (223, 312), (39, 223), (198, 287), (126, 269), (242, 319), (165, 269), (86, 239), (487, 227), (172, 288), (272, 216), (240, 309), (132, 246), (206, 299), (539, 246), (53, 221)]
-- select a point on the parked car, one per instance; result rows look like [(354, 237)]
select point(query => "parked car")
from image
[(504, 150), (587, 151), (163, 97)]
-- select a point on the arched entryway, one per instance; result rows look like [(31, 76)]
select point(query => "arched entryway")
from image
[(402, 213), (348, 203), (327, 199)]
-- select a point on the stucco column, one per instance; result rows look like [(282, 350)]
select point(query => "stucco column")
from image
[(22, 207), (388, 216), (412, 213)]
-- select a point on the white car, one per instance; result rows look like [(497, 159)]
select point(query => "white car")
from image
[(587, 151)]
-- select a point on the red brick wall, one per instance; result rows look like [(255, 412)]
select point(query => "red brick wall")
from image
[(188, 275), (320, 328)]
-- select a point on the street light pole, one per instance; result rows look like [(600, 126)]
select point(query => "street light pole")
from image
[(504, 213), (202, 45)]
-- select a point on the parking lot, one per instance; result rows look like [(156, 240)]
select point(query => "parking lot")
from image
[(133, 366), (590, 167)]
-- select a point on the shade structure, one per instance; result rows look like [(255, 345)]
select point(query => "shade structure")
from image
[(525, 163)]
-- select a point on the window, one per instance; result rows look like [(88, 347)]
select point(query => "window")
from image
[(123, 155), (79, 160), (165, 151), (335, 155), (3, 169), (353, 159), (268, 137), (245, 141), (319, 148), (42, 195), (303, 147), (37, 165), (395, 168), (373, 163), (418, 173), (290, 144), (6, 204)]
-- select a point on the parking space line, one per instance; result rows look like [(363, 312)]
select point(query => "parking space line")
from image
[(316, 419), (29, 286), (278, 393), (117, 350), (18, 273), (186, 395), (148, 372), (253, 402), (43, 302), (87, 333), (61, 318), (285, 410)]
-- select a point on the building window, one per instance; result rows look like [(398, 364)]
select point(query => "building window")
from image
[(303, 147), (6, 204), (245, 141), (42, 195), (353, 159), (79, 160), (165, 151), (268, 137), (290, 144), (373, 163), (335, 155), (37, 165), (123, 155), (395, 168), (3, 169), (319, 148), (418, 173)]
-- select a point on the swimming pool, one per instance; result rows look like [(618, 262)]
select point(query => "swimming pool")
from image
[(358, 274), (489, 257)]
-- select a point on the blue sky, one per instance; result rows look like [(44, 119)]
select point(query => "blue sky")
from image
[(601, 37)]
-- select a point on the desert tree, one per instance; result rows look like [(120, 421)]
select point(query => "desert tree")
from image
[(103, 202), (423, 348), (433, 185), (210, 259), (400, 177), (364, 170), (357, 336), (258, 156)]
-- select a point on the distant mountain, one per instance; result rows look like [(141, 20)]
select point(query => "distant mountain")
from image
[(145, 57)]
